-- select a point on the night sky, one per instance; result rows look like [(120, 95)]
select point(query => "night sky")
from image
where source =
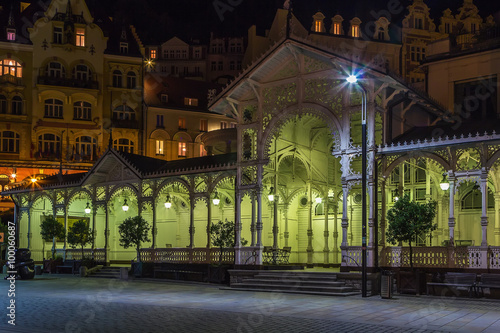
[(195, 18)]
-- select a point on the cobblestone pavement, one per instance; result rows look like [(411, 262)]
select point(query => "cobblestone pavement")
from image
[(70, 304)]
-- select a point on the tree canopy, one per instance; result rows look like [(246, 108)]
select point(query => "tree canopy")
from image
[(133, 232)]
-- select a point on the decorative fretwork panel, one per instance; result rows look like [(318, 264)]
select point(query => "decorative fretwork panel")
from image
[(249, 141), (277, 99), (200, 184), (101, 193), (468, 159), (249, 114), (249, 175), (326, 92)]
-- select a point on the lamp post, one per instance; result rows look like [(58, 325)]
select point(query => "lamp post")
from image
[(353, 79)]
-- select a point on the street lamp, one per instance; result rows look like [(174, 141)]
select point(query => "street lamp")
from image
[(271, 194), (125, 205), (168, 204), (216, 199), (87, 209), (444, 184), (319, 200), (352, 79)]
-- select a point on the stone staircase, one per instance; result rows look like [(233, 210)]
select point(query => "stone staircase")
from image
[(297, 282), (107, 272)]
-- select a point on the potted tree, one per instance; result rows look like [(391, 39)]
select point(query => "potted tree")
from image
[(222, 235), (50, 230), (407, 220), (79, 234), (133, 232)]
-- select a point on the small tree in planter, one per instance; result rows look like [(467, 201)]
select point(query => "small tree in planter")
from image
[(50, 230), (409, 219), (133, 232), (222, 234), (79, 234)]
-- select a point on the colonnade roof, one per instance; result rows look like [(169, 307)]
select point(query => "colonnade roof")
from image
[(139, 167)]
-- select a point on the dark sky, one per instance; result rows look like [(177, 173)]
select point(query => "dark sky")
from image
[(196, 18)]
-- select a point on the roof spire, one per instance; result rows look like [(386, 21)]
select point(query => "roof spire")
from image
[(288, 5), (69, 11), (11, 23), (110, 143)]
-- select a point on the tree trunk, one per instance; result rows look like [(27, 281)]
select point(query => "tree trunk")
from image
[(53, 247), (82, 253), (220, 255), (138, 254)]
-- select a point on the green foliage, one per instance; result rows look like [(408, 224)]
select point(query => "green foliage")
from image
[(409, 219), (50, 229), (222, 234), (133, 232), (79, 234)]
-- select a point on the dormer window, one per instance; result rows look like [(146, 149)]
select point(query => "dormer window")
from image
[(123, 48), (419, 23), (190, 101), (336, 28), (11, 34), (152, 54), (80, 37), (318, 25), (355, 31), (58, 35)]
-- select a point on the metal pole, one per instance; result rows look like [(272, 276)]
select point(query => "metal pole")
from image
[(363, 194)]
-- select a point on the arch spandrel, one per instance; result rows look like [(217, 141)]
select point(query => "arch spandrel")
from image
[(440, 161)]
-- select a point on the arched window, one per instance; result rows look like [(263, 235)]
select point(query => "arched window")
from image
[(472, 200), (82, 72), (117, 79), (9, 142), (53, 108), (123, 112), (49, 145), (3, 104), (82, 110), (11, 67), (56, 69), (85, 149), (131, 80), (17, 105), (124, 145)]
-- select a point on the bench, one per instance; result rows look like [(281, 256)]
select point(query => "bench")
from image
[(489, 286), (68, 265), (454, 284)]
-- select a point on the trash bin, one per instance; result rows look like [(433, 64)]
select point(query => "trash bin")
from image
[(38, 270), (386, 284)]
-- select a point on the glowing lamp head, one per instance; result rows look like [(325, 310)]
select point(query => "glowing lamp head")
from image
[(168, 204), (125, 205), (271, 194), (319, 200), (216, 200), (396, 199), (352, 79), (87, 209), (444, 184), (13, 175), (33, 180)]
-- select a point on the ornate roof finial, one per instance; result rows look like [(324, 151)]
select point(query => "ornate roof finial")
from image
[(11, 22), (69, 11), (110, 143), (288, 6)]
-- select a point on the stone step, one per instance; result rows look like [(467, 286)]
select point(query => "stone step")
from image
[(351, 293), (295, 282), (322, 289), (107, 273), (298, 276)]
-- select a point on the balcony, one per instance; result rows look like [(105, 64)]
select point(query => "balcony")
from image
[(9, 79), (68, 82)]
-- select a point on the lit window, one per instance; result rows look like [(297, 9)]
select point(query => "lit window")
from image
[(203, 125), (355, 31), (182, 149), (9, 142), (124, 145), (80, 37), (182, 123), (53, 108), (336, 28), (223, 124), (191, 101), (317, 26), (123, 48), (159, 147), (11, 67), (11, 34), (58, 35), (82, 111), (153, 54)]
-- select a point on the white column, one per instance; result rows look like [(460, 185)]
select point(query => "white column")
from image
[(209, 221), (259, 217), (326, 250), (191, 222), (371, 222), (484, 206), (252, 224), (335, 234), (345, 221), (451, 217), (383, 211), (497, 219)]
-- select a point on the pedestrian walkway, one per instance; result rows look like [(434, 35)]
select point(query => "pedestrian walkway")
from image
[(58, 303)]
